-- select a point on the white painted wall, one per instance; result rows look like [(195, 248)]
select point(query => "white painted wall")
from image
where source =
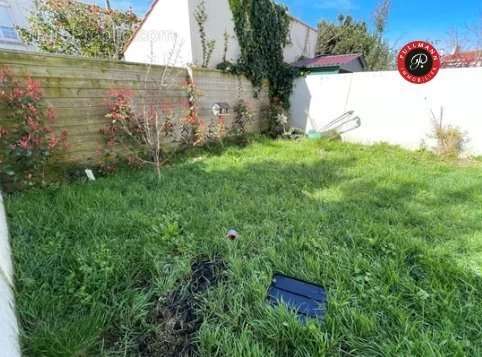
[(220, 20), (303, 40), (178, 17), (9, 344), (166, 29), (391, 109), (19, 11)]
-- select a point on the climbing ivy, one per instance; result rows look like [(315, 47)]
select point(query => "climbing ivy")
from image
[(262, 29)]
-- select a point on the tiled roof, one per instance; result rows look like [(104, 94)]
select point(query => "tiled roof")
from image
[(463, 59), (328, 61)]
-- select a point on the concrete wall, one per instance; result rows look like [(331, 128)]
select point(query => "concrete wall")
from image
[(391, 109), (303, 40), (178, 17), (8, 321), (77, 89), (19, 12)]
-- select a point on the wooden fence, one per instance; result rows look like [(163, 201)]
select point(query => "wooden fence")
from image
[(77, 88)]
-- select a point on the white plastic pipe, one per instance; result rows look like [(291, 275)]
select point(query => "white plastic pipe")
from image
[(9, 344)]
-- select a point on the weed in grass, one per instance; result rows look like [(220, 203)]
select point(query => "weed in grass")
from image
[(450, 139)]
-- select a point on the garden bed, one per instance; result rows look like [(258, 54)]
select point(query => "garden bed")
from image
[(395, 238)]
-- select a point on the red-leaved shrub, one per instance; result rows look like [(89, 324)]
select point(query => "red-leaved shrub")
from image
[(135, 133), (27, 139)]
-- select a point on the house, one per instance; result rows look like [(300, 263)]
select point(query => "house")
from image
[(459, 59), (13, 14), (331, 64), (169, 34)]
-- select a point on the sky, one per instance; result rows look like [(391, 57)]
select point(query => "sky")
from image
[(432, 20)]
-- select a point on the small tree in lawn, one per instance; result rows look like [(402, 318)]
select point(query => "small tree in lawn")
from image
[(138, 130)]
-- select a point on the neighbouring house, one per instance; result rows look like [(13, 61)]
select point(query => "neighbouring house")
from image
[(169, 34), (460, 59), (332, 64), (13, 14)]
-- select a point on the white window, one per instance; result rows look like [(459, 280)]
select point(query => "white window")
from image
[(7, 27)]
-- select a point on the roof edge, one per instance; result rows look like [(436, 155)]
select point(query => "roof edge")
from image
[(136, 31), (302, 22)]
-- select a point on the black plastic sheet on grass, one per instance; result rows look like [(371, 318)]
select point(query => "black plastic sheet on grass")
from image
[(176, 314)]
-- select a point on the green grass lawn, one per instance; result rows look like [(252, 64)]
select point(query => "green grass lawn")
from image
[(395, 237)]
